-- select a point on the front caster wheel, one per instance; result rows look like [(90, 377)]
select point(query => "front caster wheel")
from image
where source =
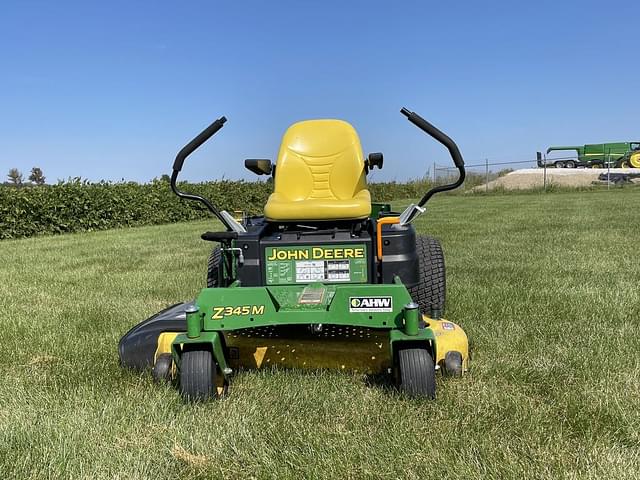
[(162, 369), (416, 373), (197, 376)]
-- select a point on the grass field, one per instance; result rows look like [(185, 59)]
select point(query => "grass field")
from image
[(546, 286)]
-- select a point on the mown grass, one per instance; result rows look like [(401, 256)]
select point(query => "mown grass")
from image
[(546, 287)]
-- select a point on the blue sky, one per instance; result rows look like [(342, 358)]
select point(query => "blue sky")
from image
[(112, 89)]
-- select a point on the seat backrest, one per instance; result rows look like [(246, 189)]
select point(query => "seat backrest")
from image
[(320, 159)]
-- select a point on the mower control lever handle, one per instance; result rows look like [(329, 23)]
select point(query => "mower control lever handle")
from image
[(187, 150), (194, 144), (436, 133), (445, 140)]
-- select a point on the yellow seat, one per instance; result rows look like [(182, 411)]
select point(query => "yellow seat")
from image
[(319, 174)]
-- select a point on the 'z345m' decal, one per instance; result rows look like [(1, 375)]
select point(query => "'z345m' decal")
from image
[(220, 312)]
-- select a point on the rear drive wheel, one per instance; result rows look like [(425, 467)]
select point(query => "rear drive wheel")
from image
[(430, 292), (634, 160), (416, 373), (197, 375), (213, 268)]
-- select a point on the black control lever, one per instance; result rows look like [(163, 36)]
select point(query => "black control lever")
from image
[(445, 140), (194, 144), (187, 150)]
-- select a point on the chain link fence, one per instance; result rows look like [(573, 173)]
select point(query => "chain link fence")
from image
[(480, 174)]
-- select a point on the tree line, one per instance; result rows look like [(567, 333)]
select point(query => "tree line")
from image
[(36, 177)]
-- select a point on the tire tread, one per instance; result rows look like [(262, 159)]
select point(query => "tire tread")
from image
[(213, 267), (432, 289), (417, 372), (197, 375)]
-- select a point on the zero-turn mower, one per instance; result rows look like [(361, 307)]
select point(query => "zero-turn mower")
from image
[(325, 279)]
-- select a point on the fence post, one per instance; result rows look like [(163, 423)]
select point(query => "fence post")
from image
[(486, 175), (544, 176), (434, 172), (608, 175)]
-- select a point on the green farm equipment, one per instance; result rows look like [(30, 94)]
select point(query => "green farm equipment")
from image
[(324, 279), (597, 155)]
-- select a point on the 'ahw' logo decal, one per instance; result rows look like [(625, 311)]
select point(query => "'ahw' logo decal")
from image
[(370, 304)]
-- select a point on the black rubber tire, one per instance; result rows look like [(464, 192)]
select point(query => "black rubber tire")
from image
[(430, 293), (453, 364), (570, 164), (416, 373), (559, 164), (213, 267), (162, 368), (197, 376)]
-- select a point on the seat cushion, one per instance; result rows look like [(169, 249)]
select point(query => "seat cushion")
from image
[(281, 208), (319, 174)]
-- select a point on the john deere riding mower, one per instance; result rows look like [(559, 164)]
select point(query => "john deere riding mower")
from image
[(325, 279)]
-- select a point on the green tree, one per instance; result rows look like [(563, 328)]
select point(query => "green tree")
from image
[(37, 176), (15, 176), (165, 178)]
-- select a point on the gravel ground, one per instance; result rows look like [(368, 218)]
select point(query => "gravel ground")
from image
[(565, 177)]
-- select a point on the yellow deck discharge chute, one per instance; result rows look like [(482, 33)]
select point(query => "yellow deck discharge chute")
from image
[(320, 174)]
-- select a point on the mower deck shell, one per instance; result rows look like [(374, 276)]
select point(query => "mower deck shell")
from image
[(343, 347)]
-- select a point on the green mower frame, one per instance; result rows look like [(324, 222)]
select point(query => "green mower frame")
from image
[(195, 349)]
